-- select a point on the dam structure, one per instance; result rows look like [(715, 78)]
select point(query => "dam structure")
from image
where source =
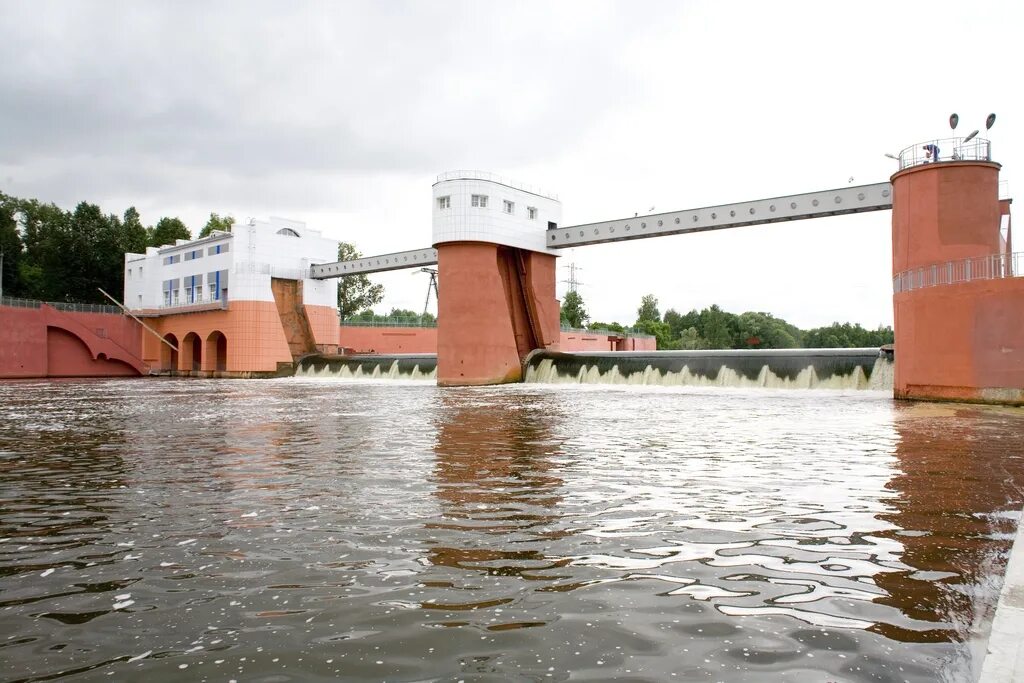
[(259, 301), (957, 296)]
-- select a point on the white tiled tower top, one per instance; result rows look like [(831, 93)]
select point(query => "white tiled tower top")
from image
[(509, 213)]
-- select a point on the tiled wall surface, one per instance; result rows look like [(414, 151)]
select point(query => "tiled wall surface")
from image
[(255, 340)]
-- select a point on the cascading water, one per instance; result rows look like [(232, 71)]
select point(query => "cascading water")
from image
[(864, 368), (398, 366)]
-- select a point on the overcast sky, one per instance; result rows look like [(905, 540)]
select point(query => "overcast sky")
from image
[(341, 114)]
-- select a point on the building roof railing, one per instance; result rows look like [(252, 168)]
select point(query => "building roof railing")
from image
[(389, 321), (991, 267), (15, 302), (494, 178), (949, 149)]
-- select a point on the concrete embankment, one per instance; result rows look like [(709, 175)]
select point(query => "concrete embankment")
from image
[(863, 368), (1004, 660)]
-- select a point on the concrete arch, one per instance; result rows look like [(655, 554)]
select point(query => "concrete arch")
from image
[(169, 356), (191, 353), (68, 355), (216, 352), (95, 345)]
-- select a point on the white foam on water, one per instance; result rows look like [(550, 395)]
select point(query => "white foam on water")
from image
[(547, 372)]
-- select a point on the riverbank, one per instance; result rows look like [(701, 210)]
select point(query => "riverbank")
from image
[(1004, 660)]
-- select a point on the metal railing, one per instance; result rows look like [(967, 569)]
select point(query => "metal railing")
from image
[(200, 304), (15, 302), (949, 149), (626, 331), (388, 322), (494, 178), (955, 272)]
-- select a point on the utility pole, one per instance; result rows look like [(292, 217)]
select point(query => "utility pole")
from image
[(432, 285)]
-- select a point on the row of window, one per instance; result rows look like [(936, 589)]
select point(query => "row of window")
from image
[(215, 290), (480, 201), (194, 295), (197, 253)]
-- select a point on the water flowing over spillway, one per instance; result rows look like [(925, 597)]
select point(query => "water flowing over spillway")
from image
[(397, 366), (864, 368)]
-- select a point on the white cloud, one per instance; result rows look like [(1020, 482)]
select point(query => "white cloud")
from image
[(341, 114)]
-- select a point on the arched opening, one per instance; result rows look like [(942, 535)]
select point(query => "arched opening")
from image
[(169, 356), (217, 351), (287, 232), (192, 350)]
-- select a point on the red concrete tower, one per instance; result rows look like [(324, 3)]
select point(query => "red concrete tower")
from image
[(959, 316), (496, 294)]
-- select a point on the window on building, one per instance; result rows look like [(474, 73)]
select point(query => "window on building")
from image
[(531, 211), (479, 200), (287, 232), (167, 298), (217, 249), (129, 273), (509, 207), (140, 271), (444, 202), (175, 297), (213, 291)]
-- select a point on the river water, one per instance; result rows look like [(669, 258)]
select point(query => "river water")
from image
[(318, 530)]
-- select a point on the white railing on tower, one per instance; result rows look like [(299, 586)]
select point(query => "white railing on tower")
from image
[(992, 267), (949, 149)]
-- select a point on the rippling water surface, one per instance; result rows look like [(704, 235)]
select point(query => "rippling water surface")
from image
[(297, 530)]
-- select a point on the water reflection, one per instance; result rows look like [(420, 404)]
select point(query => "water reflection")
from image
[(497, 481), (959, 483)]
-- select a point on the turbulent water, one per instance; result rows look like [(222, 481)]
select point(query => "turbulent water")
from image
[(302, 530)]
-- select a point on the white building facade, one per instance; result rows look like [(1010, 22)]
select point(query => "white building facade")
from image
[(229, 266)]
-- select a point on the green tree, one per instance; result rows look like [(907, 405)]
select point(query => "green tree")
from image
[(10, 246), (661, 332), (217, 223), (573, 312), (718, 327), (611, 327), (690, 340), (355, 292), (765, 331), (648, 309), (166, 231), (133, 233), (40, 223)]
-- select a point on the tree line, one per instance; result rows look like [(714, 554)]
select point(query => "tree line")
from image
[(713, 328), (57, 255), (52, 254)]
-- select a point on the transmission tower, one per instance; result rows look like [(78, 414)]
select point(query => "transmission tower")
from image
[(432, 285), (573, 281)]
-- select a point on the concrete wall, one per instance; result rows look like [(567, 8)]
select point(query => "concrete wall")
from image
[(961, 341), (967, 341), (390, 340), (44, 342)]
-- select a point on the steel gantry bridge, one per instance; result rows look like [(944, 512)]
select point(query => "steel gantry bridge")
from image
[(797, 207)]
